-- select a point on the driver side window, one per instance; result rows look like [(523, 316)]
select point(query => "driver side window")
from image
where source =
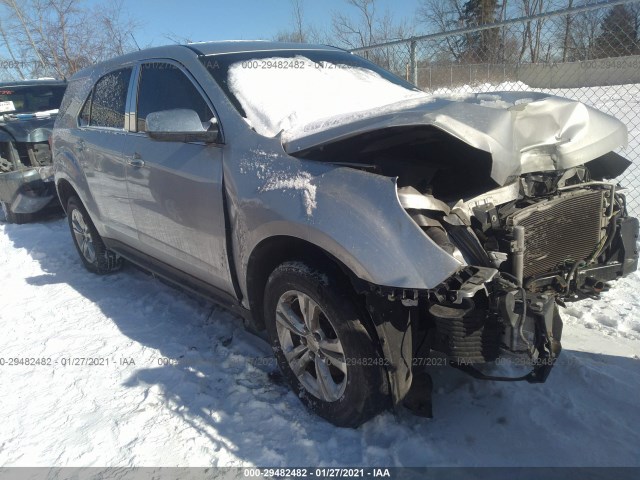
[(164, 86)]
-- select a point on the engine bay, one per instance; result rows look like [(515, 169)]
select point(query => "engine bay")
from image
[(539, 240)]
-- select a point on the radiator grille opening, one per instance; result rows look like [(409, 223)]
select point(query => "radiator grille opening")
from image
[(563, 229)]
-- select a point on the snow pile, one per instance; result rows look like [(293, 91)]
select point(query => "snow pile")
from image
[(276, 99), (203, 392), (462, 91)]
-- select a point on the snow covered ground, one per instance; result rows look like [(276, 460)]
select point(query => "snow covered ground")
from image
[(217, 401), (180, 383)]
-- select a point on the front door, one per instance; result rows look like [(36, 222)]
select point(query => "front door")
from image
[(175, 188)]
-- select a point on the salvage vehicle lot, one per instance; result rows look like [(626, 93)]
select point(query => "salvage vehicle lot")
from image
[(214, 402)]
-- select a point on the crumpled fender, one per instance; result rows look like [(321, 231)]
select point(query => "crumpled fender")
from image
[(353, 215)]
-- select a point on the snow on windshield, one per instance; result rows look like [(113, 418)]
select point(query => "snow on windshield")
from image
[(286, 93)]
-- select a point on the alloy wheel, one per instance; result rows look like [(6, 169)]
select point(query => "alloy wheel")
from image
[(311, 346), (83, 237)]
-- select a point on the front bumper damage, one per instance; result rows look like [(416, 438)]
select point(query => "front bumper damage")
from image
[(28, 190), (481, 314), (26, 172), (500, 318)]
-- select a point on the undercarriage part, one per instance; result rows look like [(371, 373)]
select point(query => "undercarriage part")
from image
[(465, 332), (538, 374), (499, 318), (528, 317)]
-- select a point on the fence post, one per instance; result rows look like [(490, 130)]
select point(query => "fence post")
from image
[(414, 64)]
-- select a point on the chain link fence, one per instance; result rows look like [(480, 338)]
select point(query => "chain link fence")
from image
[(589, 53)]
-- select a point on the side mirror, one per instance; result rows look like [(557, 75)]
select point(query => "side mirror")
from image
[(180, 125)]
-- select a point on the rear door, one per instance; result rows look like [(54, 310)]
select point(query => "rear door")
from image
[(98, 144), (175, 188)]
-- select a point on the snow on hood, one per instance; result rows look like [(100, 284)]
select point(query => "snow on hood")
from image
[(277, 99)]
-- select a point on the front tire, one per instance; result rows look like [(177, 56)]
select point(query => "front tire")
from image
[(95, 256), (322, 346)]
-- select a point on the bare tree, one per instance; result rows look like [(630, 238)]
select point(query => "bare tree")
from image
[(583, 32), (359, 31), (59, 37), (368, 26), (531, 33), (566, 38), (441, 16), (300, 31), (177, 38)]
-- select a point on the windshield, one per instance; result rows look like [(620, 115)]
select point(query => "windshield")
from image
[(284, 90), (31, 98)]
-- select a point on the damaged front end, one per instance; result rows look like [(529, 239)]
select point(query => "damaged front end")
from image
[(527, 210), (27, 113), (546, 238), (525, 249), (26, 173)]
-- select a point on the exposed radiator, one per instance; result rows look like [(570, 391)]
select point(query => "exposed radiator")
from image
[(567, 228)]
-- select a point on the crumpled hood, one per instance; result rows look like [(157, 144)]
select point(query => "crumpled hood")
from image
[(30, 129), (523, 131)]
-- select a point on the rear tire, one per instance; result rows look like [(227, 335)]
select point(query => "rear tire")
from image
[(95, 256), (10, 217), (322, 346)]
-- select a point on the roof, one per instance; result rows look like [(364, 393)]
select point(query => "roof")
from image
[(236, 46), (204, 48)]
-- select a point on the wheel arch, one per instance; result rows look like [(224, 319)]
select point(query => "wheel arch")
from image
[(65, 192), (273, 251)]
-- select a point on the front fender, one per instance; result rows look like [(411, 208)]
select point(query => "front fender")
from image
[(353, 215)]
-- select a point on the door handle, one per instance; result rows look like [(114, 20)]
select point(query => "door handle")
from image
[(135, 160)]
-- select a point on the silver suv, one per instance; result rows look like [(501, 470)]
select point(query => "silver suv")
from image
[(360, 222)]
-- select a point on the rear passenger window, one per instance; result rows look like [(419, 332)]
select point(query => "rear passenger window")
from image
[(164, 86), (85, 113), (109, 99)]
